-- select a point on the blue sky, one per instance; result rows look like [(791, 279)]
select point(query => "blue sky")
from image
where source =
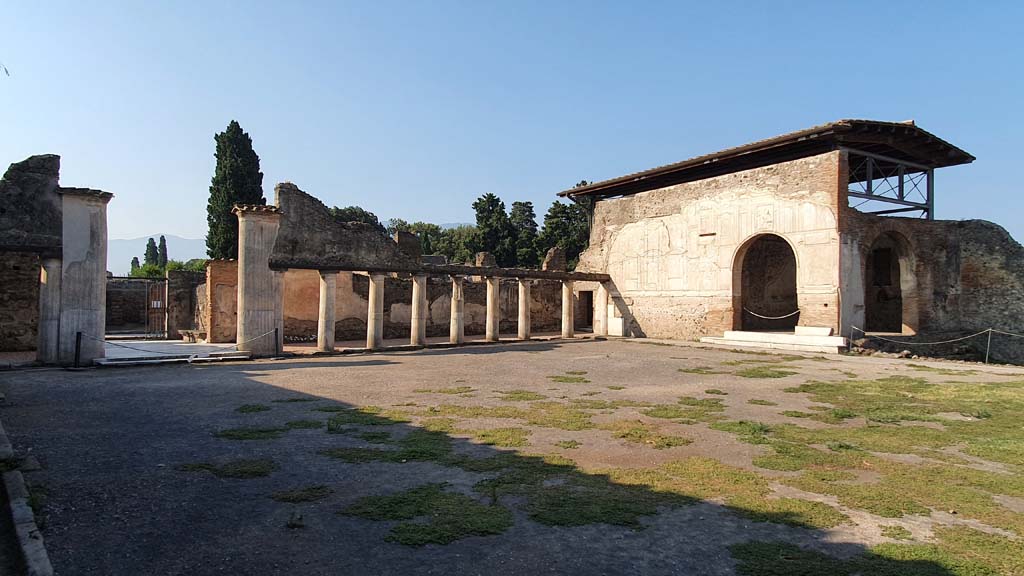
[(413, 109)]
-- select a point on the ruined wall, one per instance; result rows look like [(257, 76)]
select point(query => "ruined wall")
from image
[(19, 301), (222, 300), (30, 207), (955, 276), (670, 252), (180, 301), (126, 303)]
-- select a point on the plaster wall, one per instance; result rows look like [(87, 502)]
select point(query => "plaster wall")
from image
[(671, 252)]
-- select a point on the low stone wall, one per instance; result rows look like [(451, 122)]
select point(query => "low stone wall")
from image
[(19, 301), (221, 314), (126, 303)]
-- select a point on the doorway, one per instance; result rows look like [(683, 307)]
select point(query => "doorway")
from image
[(767, 295)]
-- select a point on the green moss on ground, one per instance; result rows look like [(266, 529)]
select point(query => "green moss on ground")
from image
[(760, 402), (307, 494), (640, 433), (445, 516), (250, 433), (503, 437), (250, 408), (568, 444), (520, 396), (764, 372), (244, 468)]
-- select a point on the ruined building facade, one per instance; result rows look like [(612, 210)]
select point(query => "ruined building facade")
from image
[(765, 237)]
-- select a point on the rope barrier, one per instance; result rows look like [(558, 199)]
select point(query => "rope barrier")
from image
[(866, 335), (752, 313)]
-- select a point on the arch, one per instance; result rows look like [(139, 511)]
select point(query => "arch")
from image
[(890, 285), (765, 284)]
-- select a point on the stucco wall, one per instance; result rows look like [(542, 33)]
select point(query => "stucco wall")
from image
[(670, 252)]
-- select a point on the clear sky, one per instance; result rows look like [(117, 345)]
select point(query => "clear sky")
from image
[(413, 109)]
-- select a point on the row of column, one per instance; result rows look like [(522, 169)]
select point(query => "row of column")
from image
[(418, 328)]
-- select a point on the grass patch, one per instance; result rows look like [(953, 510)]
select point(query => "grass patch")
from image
[(716, 391), (303, 424), (616, 387), (638, 432), (569, 379), (365, 416), (244, 468), (897, 533), (700, 370), (374, 437), (503, 437), (576, 372), (760, 402), (307, 494), (959, 552), (447, 516), (520, 396), (568, 444), (764, 372), (453, 390), (942, 371), (251, 433), (250, 408), (290, 400)]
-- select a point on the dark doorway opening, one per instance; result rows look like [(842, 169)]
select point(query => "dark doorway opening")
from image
[(585, 313), (883, 298), (768, 285)]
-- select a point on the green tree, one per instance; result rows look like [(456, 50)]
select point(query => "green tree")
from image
[(397, 225), (357, 214), (458, 244), (148, 271), (496, 234), (152, 256), (567, 226), (236, 180), (161, 256), (524, 224), (135, 264), (428, 234), (193, 265)]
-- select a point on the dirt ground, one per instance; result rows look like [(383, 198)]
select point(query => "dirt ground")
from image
[(595, 457)]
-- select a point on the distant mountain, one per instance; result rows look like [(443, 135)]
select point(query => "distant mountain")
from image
[(120, 252)]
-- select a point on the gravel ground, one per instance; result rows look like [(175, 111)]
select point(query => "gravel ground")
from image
[(110, 440)]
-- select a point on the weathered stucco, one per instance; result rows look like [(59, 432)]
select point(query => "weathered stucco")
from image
[(672, 252)]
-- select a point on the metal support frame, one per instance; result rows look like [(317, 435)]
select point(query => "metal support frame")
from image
[(910, 185)]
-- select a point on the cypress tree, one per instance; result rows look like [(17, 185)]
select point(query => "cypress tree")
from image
[(152, 256), (236, 180), (161, 258), (524, 226), (135, 264), (496, 234)]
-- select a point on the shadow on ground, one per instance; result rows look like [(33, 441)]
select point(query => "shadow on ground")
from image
[(152, 471)]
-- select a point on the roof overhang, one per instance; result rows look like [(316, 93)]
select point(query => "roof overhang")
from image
[(902, 141)]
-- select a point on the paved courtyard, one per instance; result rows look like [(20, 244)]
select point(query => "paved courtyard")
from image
[(585, 457)]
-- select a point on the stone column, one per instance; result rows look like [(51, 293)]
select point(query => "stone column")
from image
[(457, 330), (601, 310), (279, 310), (260, 309), (418, 322), (524, 309), (49, 311), (325, 322), (83, 283), (568, 330), (375, 316), (493, 310)]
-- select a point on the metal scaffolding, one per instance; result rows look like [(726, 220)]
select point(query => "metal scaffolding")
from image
[(875, 178)]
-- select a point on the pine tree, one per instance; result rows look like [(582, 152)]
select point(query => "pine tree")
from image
[(152, 256), (236, 180), (161, 257), (524, 226), (496, 234), (135, 264), (565, 225)]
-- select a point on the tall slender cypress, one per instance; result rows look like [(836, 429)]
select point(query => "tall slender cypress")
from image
[(236, 180)]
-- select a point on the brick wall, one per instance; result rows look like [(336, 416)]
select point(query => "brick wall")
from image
[(19, 301), (221, 300)]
